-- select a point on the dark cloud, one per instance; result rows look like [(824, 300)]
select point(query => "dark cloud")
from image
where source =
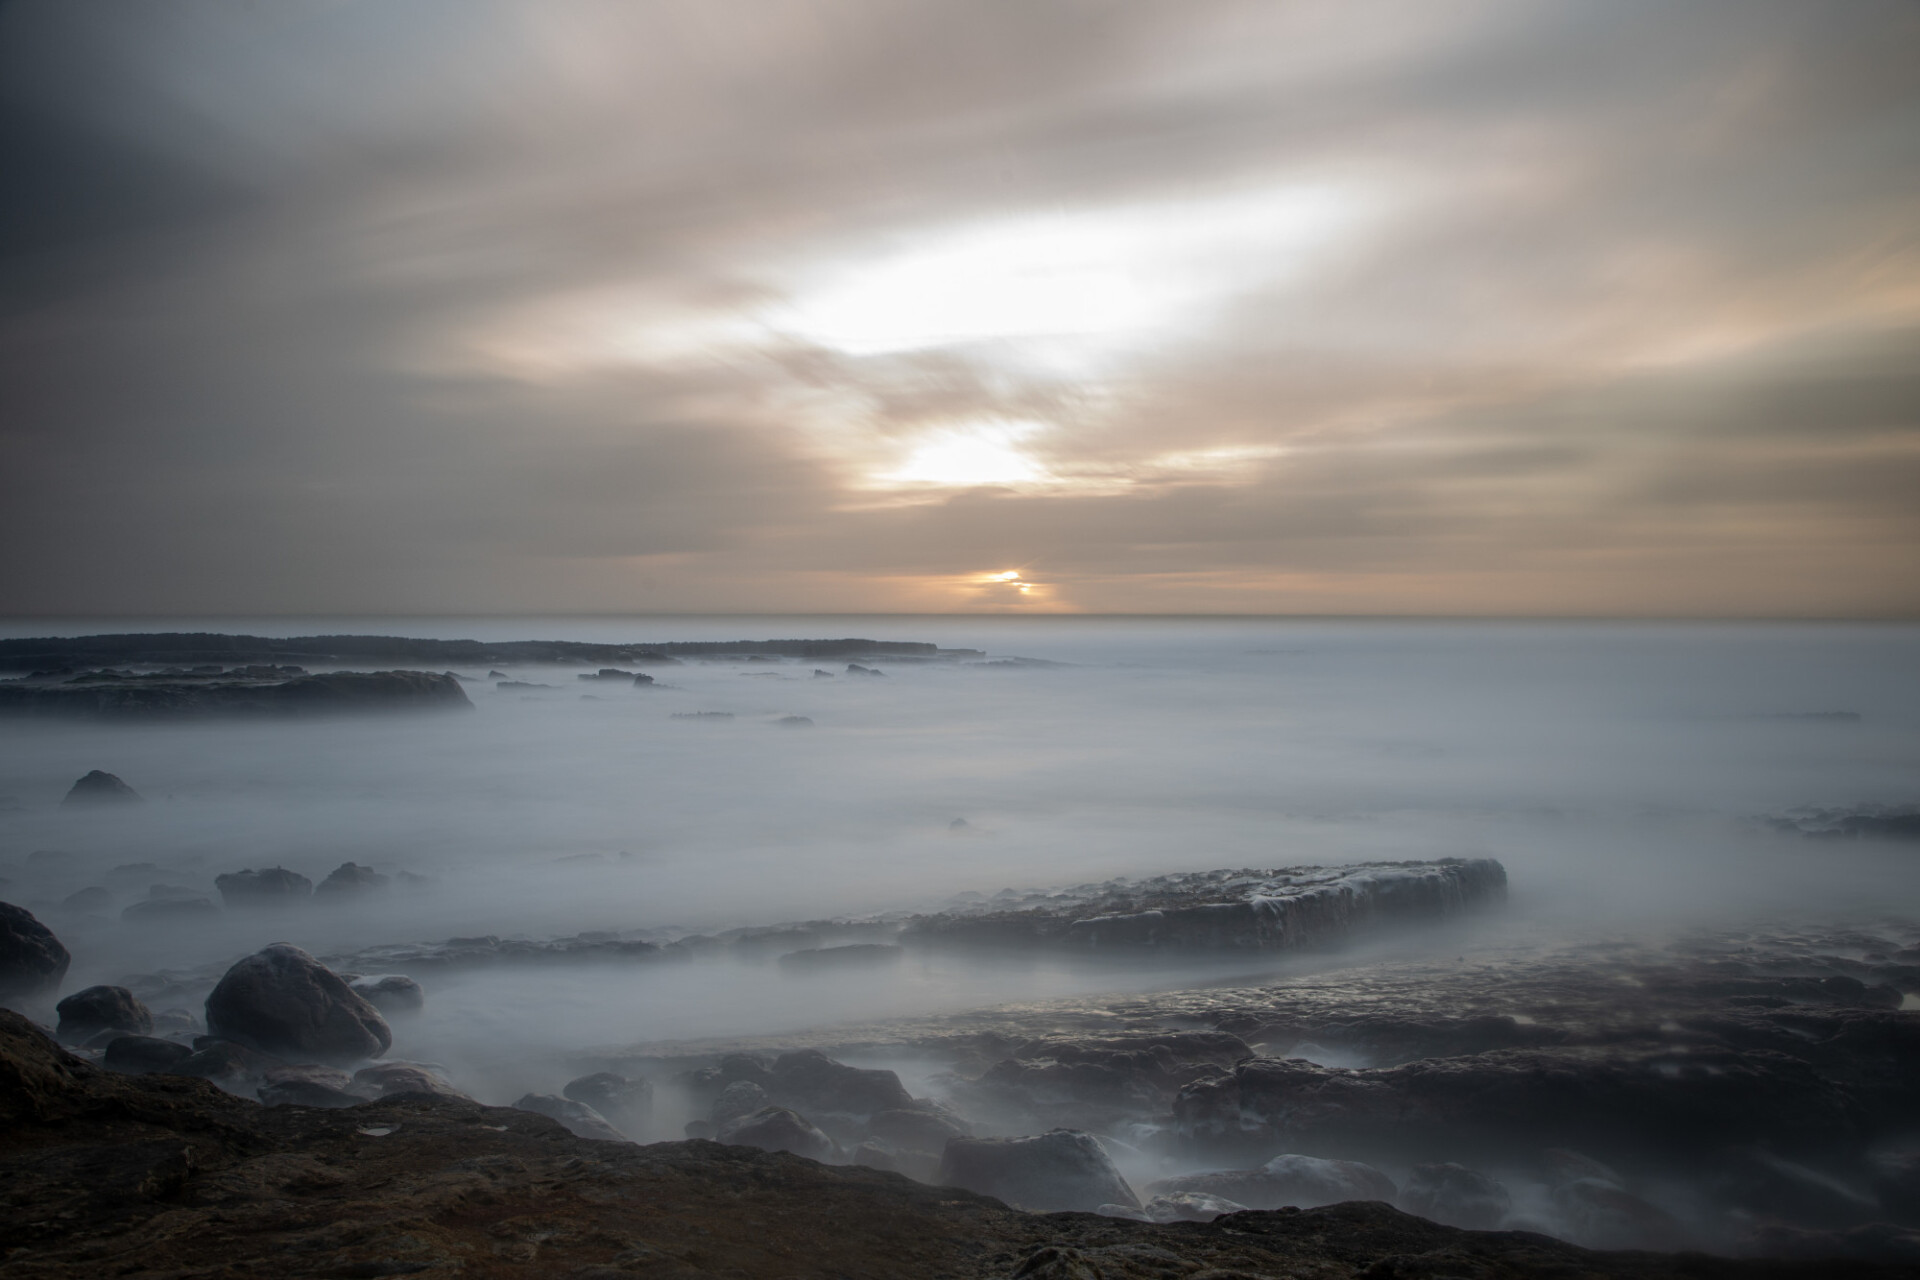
[(460, 306)]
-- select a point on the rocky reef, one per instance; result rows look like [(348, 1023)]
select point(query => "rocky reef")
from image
[(251, 691), (162, 1175)]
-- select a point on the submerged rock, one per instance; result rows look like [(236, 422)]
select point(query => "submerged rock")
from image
[(85, 1014), (389, 992), (778, 1129), (101, 787), (350, 879), (267, 887), (1064, 1169), (32, 961), (282, 1000)]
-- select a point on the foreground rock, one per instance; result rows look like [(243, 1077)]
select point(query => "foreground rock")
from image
[(1304, 1182), (281, 1000), (32, 961), (168, 1176), (1248, 910), (85, 1014)]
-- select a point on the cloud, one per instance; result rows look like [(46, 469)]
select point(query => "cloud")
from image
[(490, 306)]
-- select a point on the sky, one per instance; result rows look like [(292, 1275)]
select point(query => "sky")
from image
[(466, 306)]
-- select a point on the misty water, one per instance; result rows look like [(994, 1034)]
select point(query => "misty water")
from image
[(1617, 770)]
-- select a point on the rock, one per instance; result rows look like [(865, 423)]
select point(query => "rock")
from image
[(818, 674), (32, 961), (169, 909), (580, 1119), (177, 1022), (306, 1085), (1301, 1181), (87, 1013), (811, 1081), (390, 992), (642, 680), (858, 955), (1455, 1195), (101, 788), (795, 722), (610, 673), (386, 1079), (778, 1129), (626, 1103), (350, 879), (252, 692), (268, 887), (741, 1098), (855, 669), (917, 1130), (92, 900), (234, 1067), (1600, 1215), (1064, 1169), (1189, 1206), (143, 1055), (921, 1166), (282, 1000)]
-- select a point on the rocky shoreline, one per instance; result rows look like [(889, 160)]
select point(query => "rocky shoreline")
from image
[(279, 692)]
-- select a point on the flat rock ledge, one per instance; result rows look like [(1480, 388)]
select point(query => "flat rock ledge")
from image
[(1282, 909), (166, 1176)]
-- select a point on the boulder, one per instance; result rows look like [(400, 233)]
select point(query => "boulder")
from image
[(580, 1119), (778, 1129), (811, 1081), (626, 1103), (1063, 1169), (389, 992), (917, 1130), (267, 887), (92, 900), (1301, 1181), (32, 961), (234, 1067), (306, 1085), (385, 1079), (282, 1000), (1189, 1206), (350, 879), (144, 1055), (169, 909), (1455, 1195), (101, 788), (741, 1098), (87, 1013)]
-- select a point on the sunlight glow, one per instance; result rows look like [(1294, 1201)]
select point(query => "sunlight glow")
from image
[(982, 453), (1103, 274)]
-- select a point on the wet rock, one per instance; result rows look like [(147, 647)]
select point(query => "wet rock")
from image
[(1189, 1206), (350, 879), (144, 1055), (87, 1013), (778, 1129), (386, 1079), (93, 900), (1063, 1169), (741, 1098), (236, 1068), (812, 1082), (282, 1000), (170, 910), (921, 1166), (32, 961), (580, 1119), (267, 887), (390, 992), (855, 669), (627, 1103), (611, 673), (1301, 1181), (177, 1022), (306, 1085), (1455, 1195), (917, 1130), (100, 788)]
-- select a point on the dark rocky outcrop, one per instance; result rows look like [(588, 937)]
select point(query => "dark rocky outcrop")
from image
[(811, 1082), (386, 1079), (85, 1014), (267, 887), (270, 693), (1064, 1169), (350, 879), (141, 1055), (97, 788), (175, 1178), (32, 961), (282, 1000)]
